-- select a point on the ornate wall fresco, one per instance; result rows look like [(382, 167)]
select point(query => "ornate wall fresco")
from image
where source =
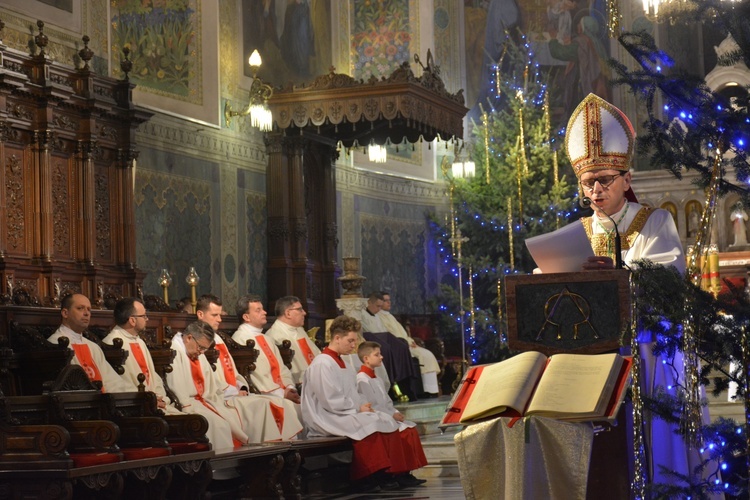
[(173, 49), (393, 259), (556, 31), (293, 37), (382, 36), (173, 206)]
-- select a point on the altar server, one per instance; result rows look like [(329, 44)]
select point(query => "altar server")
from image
[(331, 406)]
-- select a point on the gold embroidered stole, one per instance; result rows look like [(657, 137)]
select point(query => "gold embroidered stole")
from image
[(600, 242)]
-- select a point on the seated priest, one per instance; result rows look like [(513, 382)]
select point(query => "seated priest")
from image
[(599, 143), (75, 310), (290, 319), (331, 406), (198, 389), (428, 364), (397, 357), (264, 418), (271, 376), (130, 323)]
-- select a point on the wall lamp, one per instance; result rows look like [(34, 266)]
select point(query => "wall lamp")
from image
[(257, 108)]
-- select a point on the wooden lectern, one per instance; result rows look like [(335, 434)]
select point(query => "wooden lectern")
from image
[(586, 313)]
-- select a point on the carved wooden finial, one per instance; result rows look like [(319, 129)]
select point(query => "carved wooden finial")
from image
[(85, 53), (41, 39), (126, 65)]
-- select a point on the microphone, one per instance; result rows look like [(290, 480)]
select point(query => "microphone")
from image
[(586, 202)]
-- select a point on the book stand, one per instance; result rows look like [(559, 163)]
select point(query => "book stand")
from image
[(583, 313)]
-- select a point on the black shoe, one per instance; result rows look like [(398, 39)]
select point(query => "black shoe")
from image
[(391, 485), (367, 485), (408, 480)]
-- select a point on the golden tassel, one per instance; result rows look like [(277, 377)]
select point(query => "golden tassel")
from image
[(519, 181), (639, 463), (472, 327), (547, 122), (499, 299), (613, 19), (521, 137), (510, 234), (691, 415), (486, 124)]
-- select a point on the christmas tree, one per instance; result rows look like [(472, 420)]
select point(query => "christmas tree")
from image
[(689, 128), (692, 128), (520, 189)]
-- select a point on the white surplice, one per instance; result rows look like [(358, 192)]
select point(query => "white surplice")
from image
[(223, 421), (279, 332), (371, 389), (111, 381), (262, 377), (153, 382), (330, 403), (264, 417)]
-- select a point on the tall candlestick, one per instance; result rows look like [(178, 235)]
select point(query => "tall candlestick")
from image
[(164, 281), (192, 279)]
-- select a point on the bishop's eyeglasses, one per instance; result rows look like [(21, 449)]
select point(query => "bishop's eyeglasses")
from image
[(604, 181)]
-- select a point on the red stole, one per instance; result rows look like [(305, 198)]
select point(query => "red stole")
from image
[(261, 341), (197, 372), (306, 351), (135, 349), (83, 355), (278, 415), (226, 364), (367, 371)]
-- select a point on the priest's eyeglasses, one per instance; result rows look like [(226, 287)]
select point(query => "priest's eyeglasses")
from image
[(604, 181), (144, 316), (200, 347)]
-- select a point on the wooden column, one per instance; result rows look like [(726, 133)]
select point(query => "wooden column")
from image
[(278, 232), (42, 196), (298, 203), (86, 216)]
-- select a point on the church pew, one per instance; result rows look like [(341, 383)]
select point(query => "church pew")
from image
[(287, 353), (263, 458), (146, 471)]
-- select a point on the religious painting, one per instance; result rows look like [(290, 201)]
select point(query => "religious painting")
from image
[(167, 41), (293, 38), (568, 37), (65, 13), (383, 35)]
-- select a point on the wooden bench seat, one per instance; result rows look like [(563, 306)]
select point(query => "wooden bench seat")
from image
[(271, 468)]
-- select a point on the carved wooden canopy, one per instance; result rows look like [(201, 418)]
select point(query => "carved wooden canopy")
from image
[(356, 112)]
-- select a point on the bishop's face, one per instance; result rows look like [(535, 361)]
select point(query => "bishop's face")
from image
[(606, 188)]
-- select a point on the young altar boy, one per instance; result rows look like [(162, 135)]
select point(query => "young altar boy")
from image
[(372, 390)]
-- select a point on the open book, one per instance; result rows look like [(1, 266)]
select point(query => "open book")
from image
[(572, 387)]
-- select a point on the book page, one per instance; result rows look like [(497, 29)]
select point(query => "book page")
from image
[(576, 385), (507, 384)]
